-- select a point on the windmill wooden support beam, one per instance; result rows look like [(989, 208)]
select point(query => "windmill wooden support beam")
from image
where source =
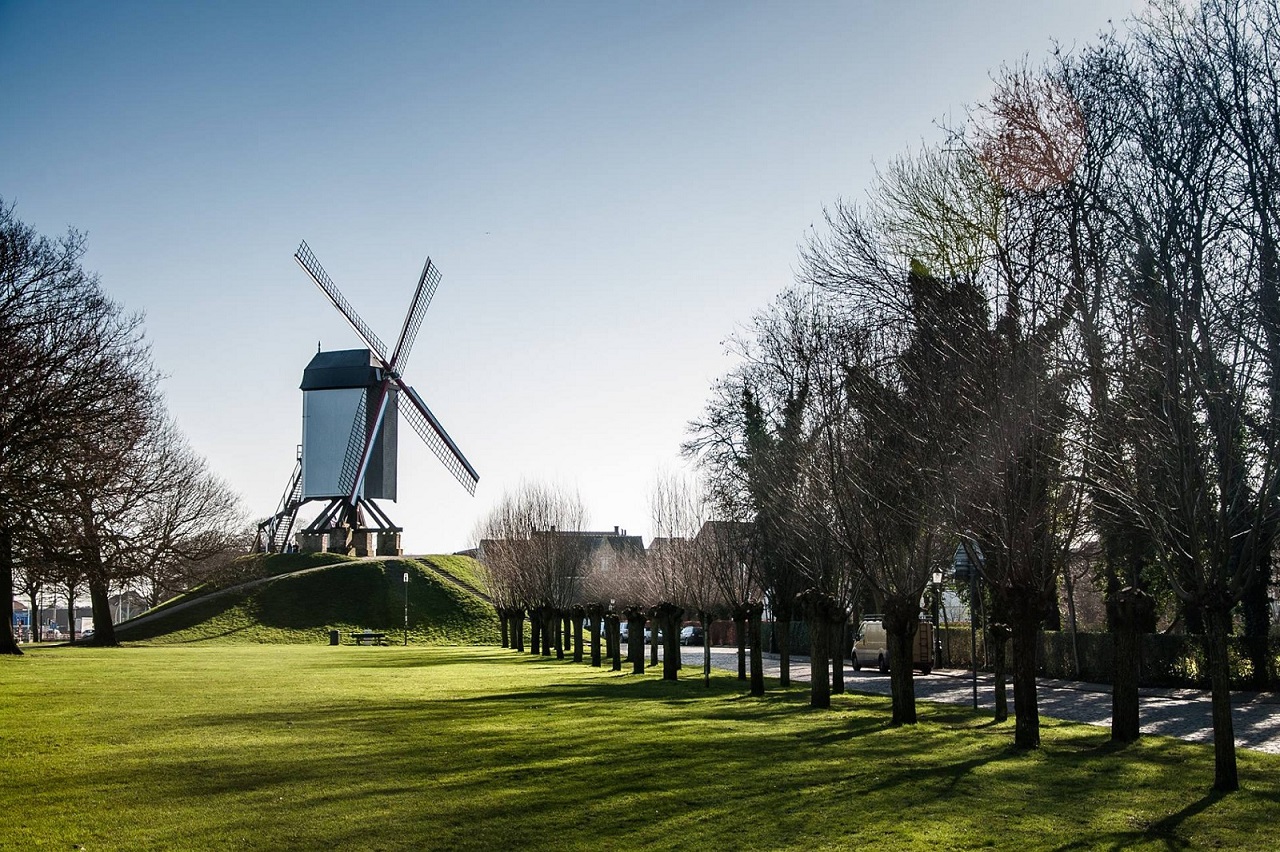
[(352, 401)]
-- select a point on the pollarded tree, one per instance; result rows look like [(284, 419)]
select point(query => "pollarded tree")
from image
[(531, 548), (898, 403), (680, 509), (751, 445), (1202, 391), (729, 548)]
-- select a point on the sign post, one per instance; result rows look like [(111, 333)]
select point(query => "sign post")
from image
[(406, 609)]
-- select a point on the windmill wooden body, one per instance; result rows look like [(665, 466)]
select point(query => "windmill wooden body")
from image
[(352, 402)]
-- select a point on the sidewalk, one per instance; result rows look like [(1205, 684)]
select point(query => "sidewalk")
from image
[(1182, 713)]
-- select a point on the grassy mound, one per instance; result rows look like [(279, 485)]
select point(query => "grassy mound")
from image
[(348, 595), (295, 747)]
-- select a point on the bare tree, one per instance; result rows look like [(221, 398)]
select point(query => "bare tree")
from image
[(752, 443), (140, 511), (72, 366), (534, 557), (680, 509), (1199, 466)]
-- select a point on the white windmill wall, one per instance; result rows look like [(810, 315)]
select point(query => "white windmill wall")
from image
[(327, 418)]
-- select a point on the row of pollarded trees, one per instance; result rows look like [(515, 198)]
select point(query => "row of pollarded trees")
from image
[(1062, 326), (97, 486), (540, 563)]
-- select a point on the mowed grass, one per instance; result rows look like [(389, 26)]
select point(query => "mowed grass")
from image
[(348, 595), (316, 747)]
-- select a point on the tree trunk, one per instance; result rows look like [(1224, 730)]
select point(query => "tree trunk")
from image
[(517, 630), (596, 614), (819, 662), (1218, 622), (503, 622), (104, 630), (1132, 612), (615, 642), (901, 623), (670, 615), (554, 622), (8, 642), (1026, 710), (71, 612), (635, 639), (754, 611), (535, 632), (548, 620), (998, 637), (578, 614)]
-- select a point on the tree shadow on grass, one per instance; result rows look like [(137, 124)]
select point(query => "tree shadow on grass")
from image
[(1163, 830)]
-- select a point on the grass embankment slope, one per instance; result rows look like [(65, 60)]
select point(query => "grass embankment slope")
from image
[(309, 747), (340, 593)]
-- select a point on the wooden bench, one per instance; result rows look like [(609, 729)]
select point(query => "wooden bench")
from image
[(367, 638)]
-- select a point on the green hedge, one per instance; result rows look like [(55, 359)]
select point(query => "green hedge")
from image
[(1171, 660)]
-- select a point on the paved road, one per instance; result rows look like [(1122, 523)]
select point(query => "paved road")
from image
[(1182, 713)]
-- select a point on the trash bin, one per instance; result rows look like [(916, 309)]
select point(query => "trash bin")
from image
[(334, 637)]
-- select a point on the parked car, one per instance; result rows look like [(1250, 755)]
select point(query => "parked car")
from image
[(648, 635), (871, 646), (691, 635)]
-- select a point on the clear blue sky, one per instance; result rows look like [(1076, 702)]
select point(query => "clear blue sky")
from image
[(609, 189)]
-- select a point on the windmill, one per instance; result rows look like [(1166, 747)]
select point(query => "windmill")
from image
[(352, 401)]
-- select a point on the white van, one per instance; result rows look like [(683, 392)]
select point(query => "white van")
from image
[(871, 645)]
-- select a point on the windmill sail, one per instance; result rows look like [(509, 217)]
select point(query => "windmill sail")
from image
[(435, 437), (427, 283), (307, 260)]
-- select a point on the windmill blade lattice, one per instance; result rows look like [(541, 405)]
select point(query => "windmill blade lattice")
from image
[(427, 283), (307, 260), (355, 447), (435, 437)]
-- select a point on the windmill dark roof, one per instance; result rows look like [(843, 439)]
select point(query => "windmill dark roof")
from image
[(343, 368)]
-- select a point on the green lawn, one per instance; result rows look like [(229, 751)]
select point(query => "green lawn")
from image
[(348, 596), (312, 747)]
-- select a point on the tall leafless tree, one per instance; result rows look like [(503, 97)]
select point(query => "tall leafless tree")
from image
[(73, 368)]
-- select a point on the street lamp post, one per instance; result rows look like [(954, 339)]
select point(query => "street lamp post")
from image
[(406, 609), (937, 634)]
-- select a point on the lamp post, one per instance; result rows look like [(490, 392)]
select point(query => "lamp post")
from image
[(937, 603), (406, 609)]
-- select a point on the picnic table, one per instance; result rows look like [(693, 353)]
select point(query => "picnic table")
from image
[(368, 637)]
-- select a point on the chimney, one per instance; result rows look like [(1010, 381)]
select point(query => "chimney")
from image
[(615, 530)]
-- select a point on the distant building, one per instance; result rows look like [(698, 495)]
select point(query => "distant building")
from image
[(606, 551)]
